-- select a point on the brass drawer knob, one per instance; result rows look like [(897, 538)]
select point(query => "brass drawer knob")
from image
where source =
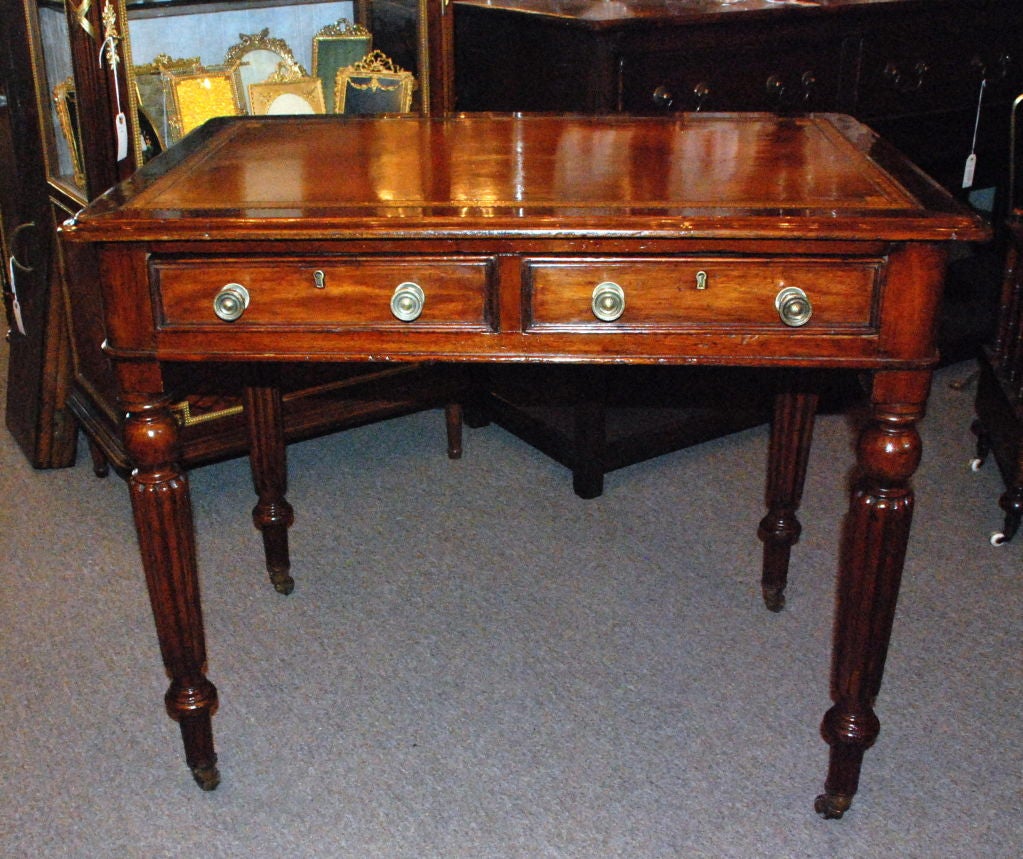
[(230, 303), (608, 301), (407, 301), (793, 306)]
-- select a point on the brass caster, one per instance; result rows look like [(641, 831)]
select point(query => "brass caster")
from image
[(207, 777), (976, 463), (831, 806), (998, 539), (282, 582), (774, 598)]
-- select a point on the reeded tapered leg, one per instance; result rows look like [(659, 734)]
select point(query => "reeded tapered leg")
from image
[(873, 551), (163, 519), (272, 515), (791, 435)]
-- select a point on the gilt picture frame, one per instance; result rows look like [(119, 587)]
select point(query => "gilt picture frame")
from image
[(152, 92), (65, 101), (199, 96), (287, 98), (374, 85), (335, 47)]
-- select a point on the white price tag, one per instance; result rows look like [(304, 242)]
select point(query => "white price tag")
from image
[(971, 161), (121, 124), (15, 306), (968, 171)]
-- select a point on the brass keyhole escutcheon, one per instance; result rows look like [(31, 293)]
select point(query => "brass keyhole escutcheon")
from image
[(319, 279), (701, 280)]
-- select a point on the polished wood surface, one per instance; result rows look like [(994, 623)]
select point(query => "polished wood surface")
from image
[(520, 232), (725, 175)]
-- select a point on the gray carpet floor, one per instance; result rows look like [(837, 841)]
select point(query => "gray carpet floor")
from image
[(475, 663)]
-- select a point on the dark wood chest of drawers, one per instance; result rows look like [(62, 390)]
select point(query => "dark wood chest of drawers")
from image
[(912, 69)]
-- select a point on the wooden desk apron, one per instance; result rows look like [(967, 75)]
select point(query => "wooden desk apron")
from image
[(743, 239)]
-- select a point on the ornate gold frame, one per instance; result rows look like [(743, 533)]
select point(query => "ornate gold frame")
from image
[(151, 91), (248, 68), (375, 73), (335, 47), (199, 96), (67, 115), (364, 15), (309, 91)]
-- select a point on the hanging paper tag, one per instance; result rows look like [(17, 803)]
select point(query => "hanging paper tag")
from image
[(15, 306), (971, 161), (121, 124), (109, 47), (971, 166)]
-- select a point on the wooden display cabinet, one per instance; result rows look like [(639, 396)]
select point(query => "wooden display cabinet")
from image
[(68, 72), (999, 400), (911, 69)]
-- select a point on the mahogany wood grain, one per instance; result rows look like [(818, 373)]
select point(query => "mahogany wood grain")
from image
[(475, 207)]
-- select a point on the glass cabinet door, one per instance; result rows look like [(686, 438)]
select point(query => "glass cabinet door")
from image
[(40, 183), (192, 60), (49, 42)]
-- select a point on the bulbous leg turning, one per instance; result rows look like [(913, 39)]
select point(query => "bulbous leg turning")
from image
[(873, 551)]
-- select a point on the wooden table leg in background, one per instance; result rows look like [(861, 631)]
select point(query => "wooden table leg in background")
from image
[(589, 432), (163, 520), (795, 407), (873, 552), (272, 515)]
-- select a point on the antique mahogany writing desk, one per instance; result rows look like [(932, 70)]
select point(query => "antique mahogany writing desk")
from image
[(792, 244)]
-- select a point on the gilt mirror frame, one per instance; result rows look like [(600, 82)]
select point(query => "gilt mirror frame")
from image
[(255, 58), (285, 94)]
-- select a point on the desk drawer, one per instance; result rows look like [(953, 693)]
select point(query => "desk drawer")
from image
[(325, 293), (665, 294)]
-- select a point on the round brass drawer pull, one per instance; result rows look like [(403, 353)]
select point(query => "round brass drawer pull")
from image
[(230, 303), (407, 301), (608, 301), (793, 306)]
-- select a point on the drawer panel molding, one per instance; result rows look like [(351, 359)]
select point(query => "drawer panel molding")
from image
[(664, 294), (455, 292)]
